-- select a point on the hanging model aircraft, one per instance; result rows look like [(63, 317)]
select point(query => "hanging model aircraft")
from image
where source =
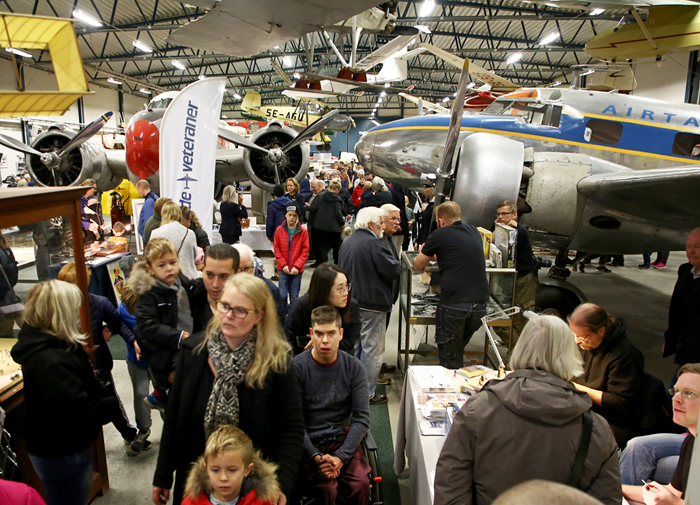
[(61, 157), (591, 171), (439, 109)]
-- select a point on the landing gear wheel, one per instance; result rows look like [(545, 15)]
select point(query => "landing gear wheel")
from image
[(558, 298)]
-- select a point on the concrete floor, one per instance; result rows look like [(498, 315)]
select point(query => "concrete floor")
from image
[(641, 297)]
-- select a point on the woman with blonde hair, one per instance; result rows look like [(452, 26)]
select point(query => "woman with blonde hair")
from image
[(65, 404), (232, 211), (541, 419), (237, 372), (183, 238), (293, 193)]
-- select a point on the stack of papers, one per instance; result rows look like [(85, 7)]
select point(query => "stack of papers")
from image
[(433, 379), (432, 406)]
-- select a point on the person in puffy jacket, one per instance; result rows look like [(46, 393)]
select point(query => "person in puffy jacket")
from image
[(529, 426), (276, 210), (253, 482), (66, 405), (291, 252)]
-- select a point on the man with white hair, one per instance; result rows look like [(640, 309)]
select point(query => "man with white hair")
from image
[(246, 265), (372, 269)]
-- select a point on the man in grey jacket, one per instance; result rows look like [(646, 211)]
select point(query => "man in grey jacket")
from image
[(372, 270)]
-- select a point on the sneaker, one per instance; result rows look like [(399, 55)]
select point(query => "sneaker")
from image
[(154, 403), (139, 444), (378, 399), (603, 268), (660, 265), (644, 266), (654, 263)]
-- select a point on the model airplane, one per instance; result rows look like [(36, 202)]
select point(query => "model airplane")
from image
[(60, 157), (439, 109), (591, 171)]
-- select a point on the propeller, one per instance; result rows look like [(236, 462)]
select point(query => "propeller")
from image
[(452, 137), (17, 145), (311, 130), (86, 133), (236, 139)]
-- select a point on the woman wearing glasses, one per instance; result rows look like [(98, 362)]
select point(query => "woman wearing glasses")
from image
[(236, 372), (613, 367), (329, 286)]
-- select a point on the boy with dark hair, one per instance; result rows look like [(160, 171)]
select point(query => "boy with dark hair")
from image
[(335, 401)]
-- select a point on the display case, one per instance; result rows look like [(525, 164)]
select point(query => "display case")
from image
[(417, 307), (40, 226)]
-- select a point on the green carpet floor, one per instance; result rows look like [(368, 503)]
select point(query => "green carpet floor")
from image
[(380, 426)]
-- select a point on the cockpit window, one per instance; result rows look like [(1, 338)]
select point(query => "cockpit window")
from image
[(533, 112), (160, 104)]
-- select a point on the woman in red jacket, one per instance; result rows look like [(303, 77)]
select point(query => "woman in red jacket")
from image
[(357, 193), (291, 252)]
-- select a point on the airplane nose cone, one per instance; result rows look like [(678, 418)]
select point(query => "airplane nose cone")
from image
[(142, 140)]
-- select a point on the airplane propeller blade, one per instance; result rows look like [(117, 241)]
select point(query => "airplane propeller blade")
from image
[(234, 138), (311, 130), (17, 145), (86, 133), (452, 137)]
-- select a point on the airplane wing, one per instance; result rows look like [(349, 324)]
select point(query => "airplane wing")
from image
[(247, 27), (385, 52), (663, 194), (497, 83), (428, 105)]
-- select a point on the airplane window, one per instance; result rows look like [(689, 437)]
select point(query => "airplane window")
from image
[(496, 108), (686, 144), (537, 118), (600, 131), (553, 115)]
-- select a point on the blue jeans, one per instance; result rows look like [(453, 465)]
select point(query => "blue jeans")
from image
[(289, 285), (66, 480), (454, 326), (652, 457)]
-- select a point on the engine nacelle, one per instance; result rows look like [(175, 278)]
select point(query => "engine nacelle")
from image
[(259, 167), (85, 162)]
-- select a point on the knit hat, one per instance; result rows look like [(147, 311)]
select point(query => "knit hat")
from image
[(293, 208)]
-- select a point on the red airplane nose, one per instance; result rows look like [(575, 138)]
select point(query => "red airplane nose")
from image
[(142, 140)]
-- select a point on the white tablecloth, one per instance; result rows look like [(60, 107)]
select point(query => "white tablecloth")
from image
[(255, 238)]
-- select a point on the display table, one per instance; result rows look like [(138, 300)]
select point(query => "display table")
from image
[(255, 238), (100, 281)]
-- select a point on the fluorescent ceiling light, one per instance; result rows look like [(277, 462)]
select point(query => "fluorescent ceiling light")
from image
[(382, 94), (446, 99), (596, 12), (86, 18), (380, 100), (113, 81), (288, 61), (179, 65), (471, 85), (18, 52), (387, 84), (555, 84), (549, 39), (296, 75), (276, 47), (236, 96), (140, 45), (513, 58), (201, 77), (144, 90), (551, 5), (224, 116), (423, 28), (376, 122), (427, 8)]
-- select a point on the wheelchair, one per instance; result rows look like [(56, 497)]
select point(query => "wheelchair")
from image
[(369, 448)]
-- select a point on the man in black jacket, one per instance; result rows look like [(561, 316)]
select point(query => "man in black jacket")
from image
[(683, 334), (372, 270), (318, 188)]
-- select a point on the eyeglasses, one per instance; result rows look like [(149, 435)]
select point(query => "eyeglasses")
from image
[(343, 290), (499, 214), (688, 395), (581, 340), (238, 312), (248, 269)]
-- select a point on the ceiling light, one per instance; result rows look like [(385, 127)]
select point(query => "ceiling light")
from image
[(86, 18), (236, 96), (471, 85), (276, 47), (387, 84), (555, 84), (201, 77), (549, 39), (382, 94), (427, 8), (423, 29), (296, 75), (596, 12), (380, 100), (140, 45), (179, 65), (513, 58), (224, 116), (446, 99), (144, 90), (552, 5), (288, 61), (113, 81), (376, 122), (18, 52)]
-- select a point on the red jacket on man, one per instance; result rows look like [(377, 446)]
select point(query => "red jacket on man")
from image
[(299, 253)]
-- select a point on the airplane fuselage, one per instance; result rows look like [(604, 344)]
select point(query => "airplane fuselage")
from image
[(630, 131)]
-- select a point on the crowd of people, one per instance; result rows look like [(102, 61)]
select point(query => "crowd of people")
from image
[(266, 393)]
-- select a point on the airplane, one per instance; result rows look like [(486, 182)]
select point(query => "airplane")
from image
[(298, 117), (61, 157), (425, 104), (591, 171)]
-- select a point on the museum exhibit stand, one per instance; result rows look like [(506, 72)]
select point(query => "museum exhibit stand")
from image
[(41, 226)]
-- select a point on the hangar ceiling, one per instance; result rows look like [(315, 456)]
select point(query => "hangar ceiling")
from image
[(486, 31)]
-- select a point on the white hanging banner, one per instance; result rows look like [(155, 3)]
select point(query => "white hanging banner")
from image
[(188, 140)]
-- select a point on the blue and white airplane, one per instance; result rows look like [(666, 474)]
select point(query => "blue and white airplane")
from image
[(591, 171)]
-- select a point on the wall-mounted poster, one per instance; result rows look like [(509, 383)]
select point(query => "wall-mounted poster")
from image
[(116, 278)]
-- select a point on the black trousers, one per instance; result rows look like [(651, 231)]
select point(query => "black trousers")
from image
[(121, 423), (327, 240)]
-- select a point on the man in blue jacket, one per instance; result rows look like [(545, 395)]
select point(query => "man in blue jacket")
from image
[(372, 270), (150, 198)]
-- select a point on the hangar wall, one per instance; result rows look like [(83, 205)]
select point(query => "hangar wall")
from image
[(665, 80)]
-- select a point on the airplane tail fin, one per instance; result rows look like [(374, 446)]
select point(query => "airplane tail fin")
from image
[(251, 100)]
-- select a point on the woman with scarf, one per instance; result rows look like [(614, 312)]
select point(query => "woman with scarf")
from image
[(236, 372)]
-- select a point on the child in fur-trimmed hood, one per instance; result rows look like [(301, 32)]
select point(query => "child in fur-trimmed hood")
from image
[(229, 470)]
